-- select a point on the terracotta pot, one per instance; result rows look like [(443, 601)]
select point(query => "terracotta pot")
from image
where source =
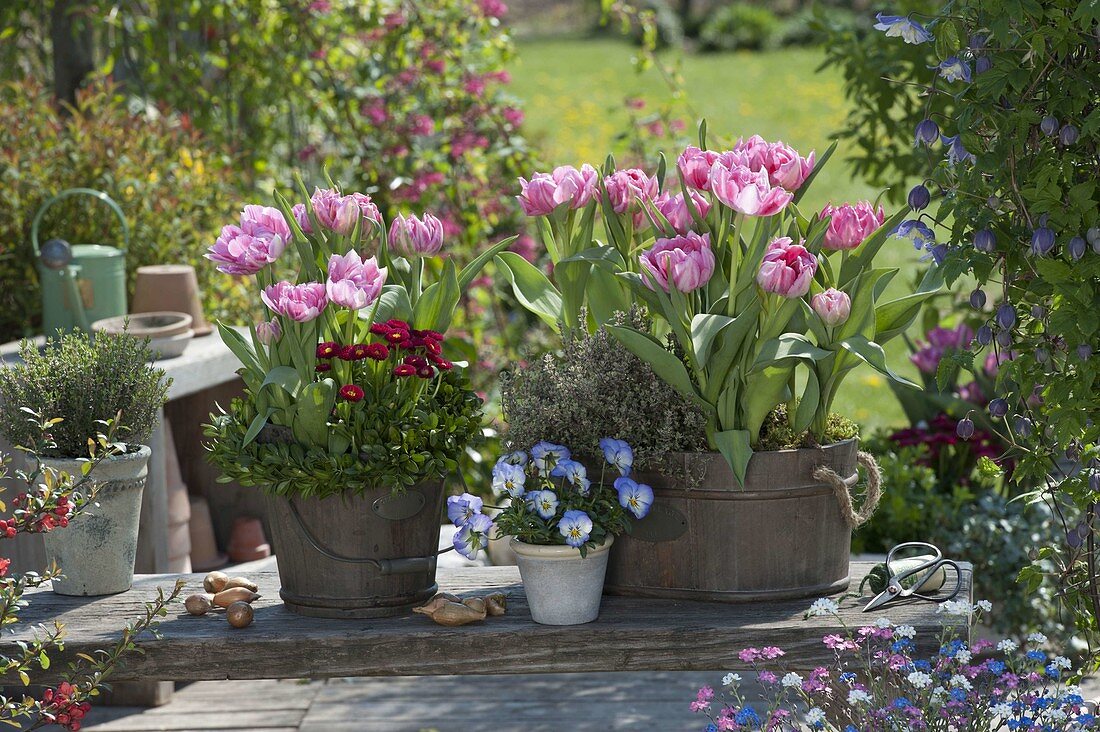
[(247, 541), (204, 546), (782, 535), (170, 287)]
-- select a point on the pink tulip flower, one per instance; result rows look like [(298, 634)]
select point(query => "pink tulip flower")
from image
[(695, 165), (353, 282), (676, 211), (541, 195), (747, 192), (626, 188), (832, 306), (238, 253), (415, 237), (264, 221), (300, 303), (339, 213), (851, 224), (787, 268), (685, 261), (784, 166)]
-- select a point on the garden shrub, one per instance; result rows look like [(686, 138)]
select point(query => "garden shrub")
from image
[(738, 26), (173, 190), (1001, 97)]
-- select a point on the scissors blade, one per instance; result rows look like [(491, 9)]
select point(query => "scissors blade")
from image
[(878, 601)]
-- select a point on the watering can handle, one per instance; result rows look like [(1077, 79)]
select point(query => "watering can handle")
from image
[(69, 193)]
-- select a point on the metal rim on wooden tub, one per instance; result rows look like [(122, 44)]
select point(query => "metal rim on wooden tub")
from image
[(354, 609), (734, 596)]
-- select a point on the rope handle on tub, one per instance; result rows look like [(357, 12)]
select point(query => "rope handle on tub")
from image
[(842, 489)]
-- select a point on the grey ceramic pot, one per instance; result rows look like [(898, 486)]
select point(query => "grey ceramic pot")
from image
[(562, 587), (96, 551)]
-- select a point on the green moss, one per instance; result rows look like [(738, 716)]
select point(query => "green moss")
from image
[(776, 434)]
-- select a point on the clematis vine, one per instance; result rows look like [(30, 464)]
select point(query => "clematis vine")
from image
[(899, 26)]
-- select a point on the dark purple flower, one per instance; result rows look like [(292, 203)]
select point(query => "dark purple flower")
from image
[(919, 197), (1006, 316), (956, 153), (1004, 338), (1076, 248), (984, 335), (927, 132), (1084, 351), (977, 298), (998, 407), (1068, 134), (1049, 125), (965, 428), (983, 64), (1023, 426), (984, 241), (1042, 241)]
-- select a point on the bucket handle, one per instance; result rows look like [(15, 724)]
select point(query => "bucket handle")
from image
[(69, 193), (404, 565), (842, 489)]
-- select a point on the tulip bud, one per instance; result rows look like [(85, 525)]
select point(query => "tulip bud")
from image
[(1006, 316), (984, 335), (984, 241), (1023, 427), (977, 298), (983, 64), (998, 408), (832, 306), (1004, 338), (1068, 135), (965, 428), (1084, 351), (268, 331), (1042, 241), (919, 197), (927, 132), (1049, 125)]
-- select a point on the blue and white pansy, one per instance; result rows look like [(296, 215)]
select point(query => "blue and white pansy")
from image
[(899, 26), (544, 503), (473, 536), (574, 473), (508, 479), (545, 455), (576, 527), (461, 509), (633, 496), (517, 457), (617, 454)]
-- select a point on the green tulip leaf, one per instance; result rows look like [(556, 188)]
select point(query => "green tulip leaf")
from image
[(532, 288)]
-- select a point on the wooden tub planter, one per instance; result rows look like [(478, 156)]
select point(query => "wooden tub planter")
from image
[(784, 535), (357, 556)]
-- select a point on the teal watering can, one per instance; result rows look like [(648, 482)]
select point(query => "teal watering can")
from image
[(81, 283)]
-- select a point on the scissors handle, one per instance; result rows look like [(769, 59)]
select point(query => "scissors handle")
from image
[(923, 545), (914, 591)]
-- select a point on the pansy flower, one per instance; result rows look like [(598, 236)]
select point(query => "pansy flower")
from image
[(461, 509), (508, 479), (544, 503), (633, 496), (473, 536), (545, 455), (576, 527), (618, 454)]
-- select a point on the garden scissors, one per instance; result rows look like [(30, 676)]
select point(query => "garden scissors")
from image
[(921, 575)]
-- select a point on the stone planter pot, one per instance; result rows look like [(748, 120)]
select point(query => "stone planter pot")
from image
[(783, 535), (562, 587), (96, 551), (357, 556)]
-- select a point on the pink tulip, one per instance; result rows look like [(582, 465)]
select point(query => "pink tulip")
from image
[(353, 282), (264, 221), (685, 261), (300, 303), (626, 188), (748, 192), (787, 268), (676, 211), (784, 166), (268, 331), (694, 165), (541, 195), (238, 253), (851, 224), (415, 237), (832, 306), (339, 213)]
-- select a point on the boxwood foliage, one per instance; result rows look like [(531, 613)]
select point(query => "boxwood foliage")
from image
[(393, 454)]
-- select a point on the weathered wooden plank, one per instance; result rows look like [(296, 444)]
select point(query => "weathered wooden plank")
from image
[(632, 633)]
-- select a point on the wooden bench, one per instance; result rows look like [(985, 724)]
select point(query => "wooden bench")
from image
[(631, 634)]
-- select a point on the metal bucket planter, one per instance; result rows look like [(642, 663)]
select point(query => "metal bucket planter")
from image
[(96, 551), (357, 556), (786, 534)]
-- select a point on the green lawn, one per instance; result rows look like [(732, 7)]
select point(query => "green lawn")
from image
[(573, 91)]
